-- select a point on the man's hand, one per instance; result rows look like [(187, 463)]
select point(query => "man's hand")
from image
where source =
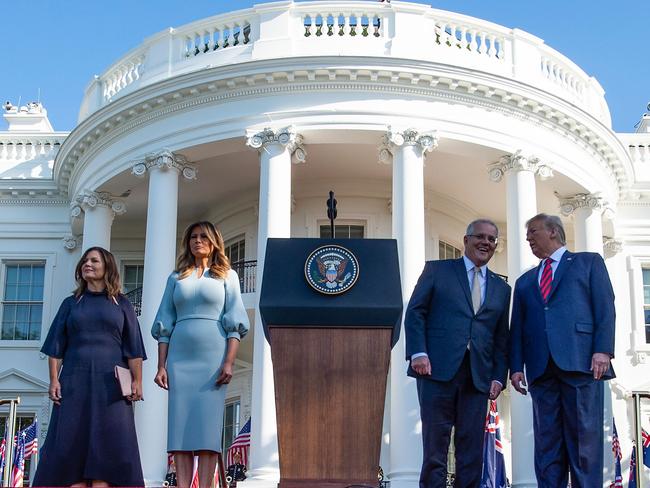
[(495, 389), (599, 364), (421, 365), (518, 381)]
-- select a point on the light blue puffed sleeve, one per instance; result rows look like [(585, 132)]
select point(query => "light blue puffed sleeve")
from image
[(235, 318), (163, 324)]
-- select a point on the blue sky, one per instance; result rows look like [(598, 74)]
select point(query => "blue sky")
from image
[(58, 45)]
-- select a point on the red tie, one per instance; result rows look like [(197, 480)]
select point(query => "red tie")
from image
[(546, 280)]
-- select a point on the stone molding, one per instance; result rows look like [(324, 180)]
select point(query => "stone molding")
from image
[(164, 160), (518, 162), (425, 141), (287, 137), (570, 203)]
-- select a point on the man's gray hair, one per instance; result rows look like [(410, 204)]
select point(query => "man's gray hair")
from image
[(550, 222), (472, 224)]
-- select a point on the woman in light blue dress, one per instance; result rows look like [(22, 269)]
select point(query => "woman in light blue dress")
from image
[(199, 324)]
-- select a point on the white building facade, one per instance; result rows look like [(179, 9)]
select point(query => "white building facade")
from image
[(420, 120)]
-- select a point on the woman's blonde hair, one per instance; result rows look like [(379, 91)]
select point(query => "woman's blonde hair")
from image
[(111, 274), (219, 263)]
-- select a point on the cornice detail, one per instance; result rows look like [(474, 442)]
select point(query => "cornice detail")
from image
[(425, 141), (570, 203), (287, 137), (98, 130), (518, 162), (164, 160)]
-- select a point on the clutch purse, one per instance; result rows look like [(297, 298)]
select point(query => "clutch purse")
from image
[(123, 377)]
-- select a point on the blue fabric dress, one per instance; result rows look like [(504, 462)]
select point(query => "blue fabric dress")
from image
[(196, 317), (91, 435)]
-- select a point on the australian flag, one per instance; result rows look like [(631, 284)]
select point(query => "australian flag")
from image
[(494, 466), (616, 449), (632, 482)]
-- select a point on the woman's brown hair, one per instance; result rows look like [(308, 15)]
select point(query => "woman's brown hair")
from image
[(111, 274), (219, 263)]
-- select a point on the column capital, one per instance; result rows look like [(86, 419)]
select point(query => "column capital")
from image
[(71, 242), (570, 203), (287, 137), (518, 162), (89, 199), (426, 141), (164, 160), (612, 246)]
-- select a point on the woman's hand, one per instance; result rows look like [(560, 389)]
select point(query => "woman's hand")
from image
[(226, 374), (55, 392), (161, 378), (136, 391)]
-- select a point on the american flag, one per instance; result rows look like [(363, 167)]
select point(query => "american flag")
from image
[(195, 474), (3, 446), (494, 465), (632, 482), (30, 439), (646, 447), (240, 445), (616, 449), (19, 463)]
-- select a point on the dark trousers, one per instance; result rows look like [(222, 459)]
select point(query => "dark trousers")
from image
[(444, 404), (568, 423)]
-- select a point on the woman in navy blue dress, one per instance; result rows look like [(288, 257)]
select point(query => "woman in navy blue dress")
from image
[(91, 437)]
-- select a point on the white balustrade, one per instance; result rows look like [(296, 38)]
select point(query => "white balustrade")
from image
[(347, 24), (469, 39), (121, 76), (321, 28), (638, 146)]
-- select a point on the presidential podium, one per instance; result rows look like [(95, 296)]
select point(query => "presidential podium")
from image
[(331, 311)]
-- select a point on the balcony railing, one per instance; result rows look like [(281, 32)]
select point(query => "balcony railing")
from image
[(347, 28), (246, 270)]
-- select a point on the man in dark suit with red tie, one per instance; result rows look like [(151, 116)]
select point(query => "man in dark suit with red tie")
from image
[(456, 328), (562, 331)]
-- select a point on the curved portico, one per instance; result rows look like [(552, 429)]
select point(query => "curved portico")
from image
[(267, 111)]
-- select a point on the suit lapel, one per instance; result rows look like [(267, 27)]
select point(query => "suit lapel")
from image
[(461, 274), (565, 263), (490, 285)]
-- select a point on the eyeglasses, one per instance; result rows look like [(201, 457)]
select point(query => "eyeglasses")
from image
[(482, 237)]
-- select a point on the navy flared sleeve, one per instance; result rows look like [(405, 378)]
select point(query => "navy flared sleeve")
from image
[(132, 343), (56, 341)]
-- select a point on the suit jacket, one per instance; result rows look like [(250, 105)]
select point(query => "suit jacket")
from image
[(577, 320), (440, 321)]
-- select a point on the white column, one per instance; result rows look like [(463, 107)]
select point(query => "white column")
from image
[(159, 259), (274, 220), (521, 205), (407, 148), (588, 225), (99, 209)]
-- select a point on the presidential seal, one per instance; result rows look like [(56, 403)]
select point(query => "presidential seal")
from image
[(331, 270)]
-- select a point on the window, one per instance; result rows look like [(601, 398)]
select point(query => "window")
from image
[(133, 277), (447, 251), (22, 422), (342, 232), (646, 303), (22, 301), (231, 425), (235, 249)]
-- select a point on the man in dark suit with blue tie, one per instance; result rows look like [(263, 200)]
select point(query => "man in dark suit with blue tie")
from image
[(563, 333), (456, 342)]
